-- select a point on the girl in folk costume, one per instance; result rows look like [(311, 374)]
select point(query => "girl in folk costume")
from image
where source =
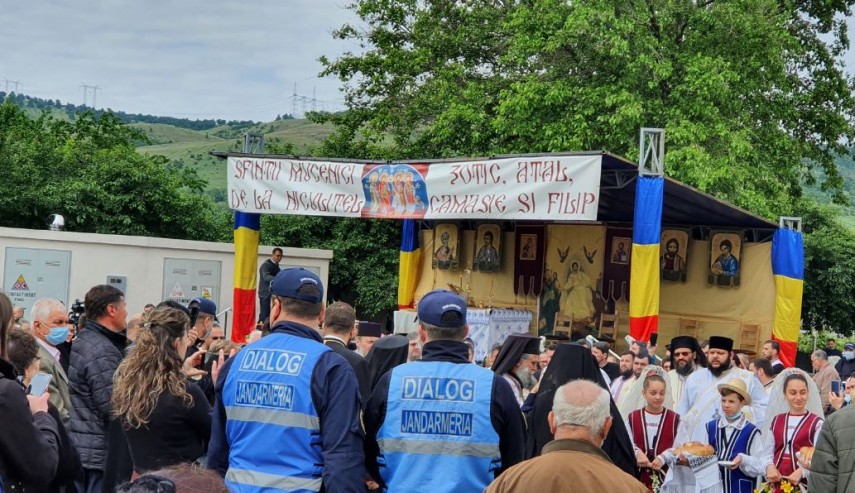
[(798, 426), (652, 425)]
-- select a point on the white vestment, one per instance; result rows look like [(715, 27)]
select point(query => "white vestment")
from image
[(700, 402)]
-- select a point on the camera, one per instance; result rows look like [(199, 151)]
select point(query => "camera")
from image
[(77, 309)]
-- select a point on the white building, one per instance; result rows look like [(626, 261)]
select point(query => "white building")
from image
[(65, 265)]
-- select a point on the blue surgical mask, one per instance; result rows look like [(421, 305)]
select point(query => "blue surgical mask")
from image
[(848, 355), (847, 398), (57, 335), (735, 416)]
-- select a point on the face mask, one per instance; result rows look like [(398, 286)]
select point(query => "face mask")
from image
[(848, 355), (735, 416), (847, 399), (57, 335)]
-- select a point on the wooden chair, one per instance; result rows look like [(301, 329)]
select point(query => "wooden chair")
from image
[(563, 325), (609, 325), (750, 337), (689, 327)]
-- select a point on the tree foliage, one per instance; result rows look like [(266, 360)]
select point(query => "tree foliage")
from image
[(364, 269), (90, 172), (752, 94)]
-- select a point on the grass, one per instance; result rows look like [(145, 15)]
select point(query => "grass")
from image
[(190, 148), (167, 134)]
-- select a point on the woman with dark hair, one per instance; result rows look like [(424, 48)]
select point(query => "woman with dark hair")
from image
[(572, 362), (794, 421), (29, 436), (23, 352), (387, 353), (166, 418)]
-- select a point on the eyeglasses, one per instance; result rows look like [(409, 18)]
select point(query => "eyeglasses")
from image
[(217, 338)]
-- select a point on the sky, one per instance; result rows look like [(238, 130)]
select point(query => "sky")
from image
[(186, 58), (196, 59)]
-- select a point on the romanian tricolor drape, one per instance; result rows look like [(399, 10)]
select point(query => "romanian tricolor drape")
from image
[(788, 267), (410, 261), (644, 269), (247, 228)]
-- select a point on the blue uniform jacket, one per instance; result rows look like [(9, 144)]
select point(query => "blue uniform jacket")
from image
[(336, 398), (505, 413)]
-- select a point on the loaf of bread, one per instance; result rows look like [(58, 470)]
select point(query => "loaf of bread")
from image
[(807, 454), (697, 449)]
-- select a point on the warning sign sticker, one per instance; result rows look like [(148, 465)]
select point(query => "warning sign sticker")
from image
[(176, 292), (20, 284)]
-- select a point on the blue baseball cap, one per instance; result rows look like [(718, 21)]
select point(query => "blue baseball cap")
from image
[(206, 306), (437, 303), (288, 281)]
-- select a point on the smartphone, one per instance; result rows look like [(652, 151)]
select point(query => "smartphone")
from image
[(39, 384), (653, 338), (836, 386), (208, 363), (194, 314)]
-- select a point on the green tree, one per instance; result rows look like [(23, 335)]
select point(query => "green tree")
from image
[(364, 269), (752, 95), (90, 172), (750, 92)]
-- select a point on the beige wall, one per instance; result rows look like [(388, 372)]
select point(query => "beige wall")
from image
[(141, 259)]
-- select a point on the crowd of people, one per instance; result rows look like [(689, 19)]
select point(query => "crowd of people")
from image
[(160, 401)]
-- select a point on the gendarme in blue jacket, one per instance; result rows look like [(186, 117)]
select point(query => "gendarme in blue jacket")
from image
[(482, 408), (332, 448)]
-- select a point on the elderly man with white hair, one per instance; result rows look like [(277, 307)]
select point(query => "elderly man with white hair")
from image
[(579, 420), (51, 327)]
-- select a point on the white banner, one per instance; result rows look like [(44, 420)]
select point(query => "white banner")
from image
[(557, 188)]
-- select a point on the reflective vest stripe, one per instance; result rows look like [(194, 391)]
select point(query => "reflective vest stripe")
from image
[(263, 480), (272, 416), (437, 447)]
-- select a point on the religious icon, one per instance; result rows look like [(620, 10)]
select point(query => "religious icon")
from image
[(488, 239), (725, 253), (446, 256), (394, 190), (620, 250), (528, 247), (674, 247)]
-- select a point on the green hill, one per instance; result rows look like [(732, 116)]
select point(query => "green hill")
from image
[(160, 133), (191, 148)]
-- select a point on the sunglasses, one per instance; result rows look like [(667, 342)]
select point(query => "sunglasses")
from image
[(217, 338)]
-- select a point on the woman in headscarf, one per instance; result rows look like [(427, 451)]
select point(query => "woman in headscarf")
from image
[(387, 353), (572, 362)]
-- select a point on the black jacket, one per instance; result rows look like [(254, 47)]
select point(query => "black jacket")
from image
[(29, 443), (266, 273), (360, 366), (505, 414), (69, 460), (845, 368), (95, 355)]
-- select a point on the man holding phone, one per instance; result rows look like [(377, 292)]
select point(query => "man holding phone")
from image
[(843, 396), (823, 375)]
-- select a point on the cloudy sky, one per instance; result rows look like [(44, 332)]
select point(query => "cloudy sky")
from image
[(185, 58)]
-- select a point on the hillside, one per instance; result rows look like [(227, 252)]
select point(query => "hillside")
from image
[(188, 143), (190, 148)]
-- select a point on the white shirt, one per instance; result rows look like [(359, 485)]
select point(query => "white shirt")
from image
[(606, 378), (652, 423), (700, 402), (50, 349), (768, 455)]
